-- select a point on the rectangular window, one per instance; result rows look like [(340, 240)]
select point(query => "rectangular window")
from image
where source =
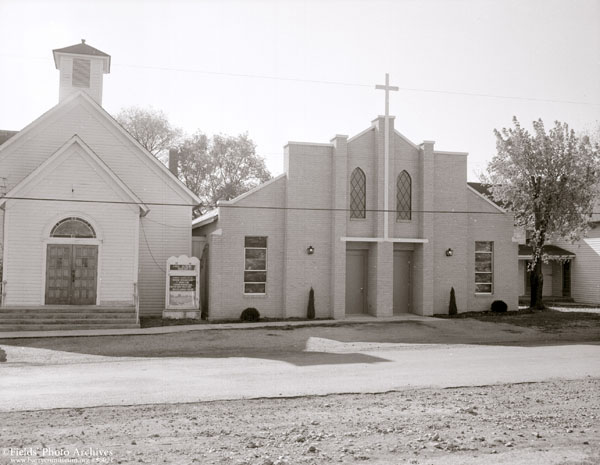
[(81, 73), (255, 265), (484, 267)]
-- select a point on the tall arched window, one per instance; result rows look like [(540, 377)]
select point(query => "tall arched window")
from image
[(358, 194), (73, 227), (403, 197)]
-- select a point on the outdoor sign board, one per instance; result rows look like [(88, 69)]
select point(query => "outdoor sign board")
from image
[(183, 287)]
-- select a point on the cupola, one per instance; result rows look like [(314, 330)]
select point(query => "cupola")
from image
[(82, 68)]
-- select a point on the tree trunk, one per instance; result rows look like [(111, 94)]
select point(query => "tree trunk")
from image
[(537, 285)]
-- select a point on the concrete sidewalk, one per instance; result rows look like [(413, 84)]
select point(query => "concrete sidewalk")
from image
[(210, 326)]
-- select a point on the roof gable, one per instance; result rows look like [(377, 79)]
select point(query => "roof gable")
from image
[(483, 198), (82, 49), (100, 167), (143, 155)]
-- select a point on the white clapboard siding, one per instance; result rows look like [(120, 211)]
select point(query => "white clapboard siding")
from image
[(585, 268), (29, 223), (167, 228), (79, 116), (164, 232)]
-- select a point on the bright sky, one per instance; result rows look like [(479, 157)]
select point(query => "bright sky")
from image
[(307, 70)]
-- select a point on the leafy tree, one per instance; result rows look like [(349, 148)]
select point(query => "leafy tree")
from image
[(549, 180), (221, 167), (151, 129)]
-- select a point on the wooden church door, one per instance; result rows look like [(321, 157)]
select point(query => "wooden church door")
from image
[(71, 274)]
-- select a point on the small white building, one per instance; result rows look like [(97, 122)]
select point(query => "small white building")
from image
[(89, 217)]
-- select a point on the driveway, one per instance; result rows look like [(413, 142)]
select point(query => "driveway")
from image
[(233, 364)]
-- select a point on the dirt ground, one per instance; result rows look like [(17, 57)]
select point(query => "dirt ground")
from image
[(535, 423)]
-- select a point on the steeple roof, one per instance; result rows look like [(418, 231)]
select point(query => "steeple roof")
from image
[(80, 49)]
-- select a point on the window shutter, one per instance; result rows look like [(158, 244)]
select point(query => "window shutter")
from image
[(81, 73)]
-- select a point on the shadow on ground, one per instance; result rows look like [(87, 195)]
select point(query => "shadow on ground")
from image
[(340, 344)]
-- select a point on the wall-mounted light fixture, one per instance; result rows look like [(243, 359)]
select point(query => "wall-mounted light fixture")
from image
[(449, 252), (310, 250)]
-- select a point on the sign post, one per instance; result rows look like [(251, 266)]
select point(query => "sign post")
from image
[(182, 298)]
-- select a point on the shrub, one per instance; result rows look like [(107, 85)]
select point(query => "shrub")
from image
[(452, 310), (2, 356), (499, 306), (310, 311), (250, 314)]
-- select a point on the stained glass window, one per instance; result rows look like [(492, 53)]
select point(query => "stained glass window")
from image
[(403, 197), (358, 194), (73, 227)]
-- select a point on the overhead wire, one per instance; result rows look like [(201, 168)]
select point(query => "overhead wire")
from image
[(331, 82)]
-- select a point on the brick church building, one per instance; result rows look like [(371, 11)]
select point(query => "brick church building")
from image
[(374, 223)]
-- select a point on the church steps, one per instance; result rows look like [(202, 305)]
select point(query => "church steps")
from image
[(66, 309), (55, 327), (64, 317)]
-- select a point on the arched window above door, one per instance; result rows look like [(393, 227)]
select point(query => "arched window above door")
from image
[(73, 227), (358, 194)]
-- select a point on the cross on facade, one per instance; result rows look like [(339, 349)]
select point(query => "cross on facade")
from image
[(387, 89), (386, 153)]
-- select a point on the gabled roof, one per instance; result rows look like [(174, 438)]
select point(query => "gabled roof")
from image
[(209, 217), (167, 175), (80, 49), (5, 135), (551, 251), (484, 190), (102, 167)]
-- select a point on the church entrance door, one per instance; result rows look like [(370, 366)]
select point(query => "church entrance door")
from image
[(71, 274), (356, 281), (402, 281)]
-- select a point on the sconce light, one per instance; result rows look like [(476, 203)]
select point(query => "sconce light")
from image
[(449, 252), (310, 250)]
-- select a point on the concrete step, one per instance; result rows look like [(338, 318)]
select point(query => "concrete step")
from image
[(64, 326), (53, 322), (65, 309), (29, 316)]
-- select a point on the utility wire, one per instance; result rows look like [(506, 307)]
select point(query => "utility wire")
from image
[(256, 207), (334, 83)]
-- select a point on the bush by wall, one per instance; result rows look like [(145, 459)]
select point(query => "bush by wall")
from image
[(250, 314), (499, 306), (452, 310), (310, 311)]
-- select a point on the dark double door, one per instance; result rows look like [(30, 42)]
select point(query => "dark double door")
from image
[(71, 274)]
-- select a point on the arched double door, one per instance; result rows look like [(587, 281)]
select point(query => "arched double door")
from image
[(71, 266)]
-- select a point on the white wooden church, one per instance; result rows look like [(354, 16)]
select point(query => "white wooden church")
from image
[(88, 217)]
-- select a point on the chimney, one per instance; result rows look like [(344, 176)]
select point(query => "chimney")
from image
[(174, 162)]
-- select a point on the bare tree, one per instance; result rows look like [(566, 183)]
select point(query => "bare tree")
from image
[(151, 129), (550, 181)]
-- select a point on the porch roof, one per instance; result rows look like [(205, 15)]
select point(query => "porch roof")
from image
[(552, 252)]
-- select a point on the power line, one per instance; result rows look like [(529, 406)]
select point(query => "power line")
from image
[(335, 83), (255, 207)]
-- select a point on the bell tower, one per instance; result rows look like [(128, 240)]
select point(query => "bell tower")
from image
[(82, 68)]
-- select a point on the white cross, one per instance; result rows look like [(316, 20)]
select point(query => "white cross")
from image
[(386, 153), (387, 89)]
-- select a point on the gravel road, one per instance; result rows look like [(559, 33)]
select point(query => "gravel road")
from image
[(553, 423)]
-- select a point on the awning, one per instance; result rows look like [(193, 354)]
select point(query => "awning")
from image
[(551, 252)]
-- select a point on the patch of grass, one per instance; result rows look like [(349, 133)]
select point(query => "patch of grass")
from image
[(546, 320), (156, 321)]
